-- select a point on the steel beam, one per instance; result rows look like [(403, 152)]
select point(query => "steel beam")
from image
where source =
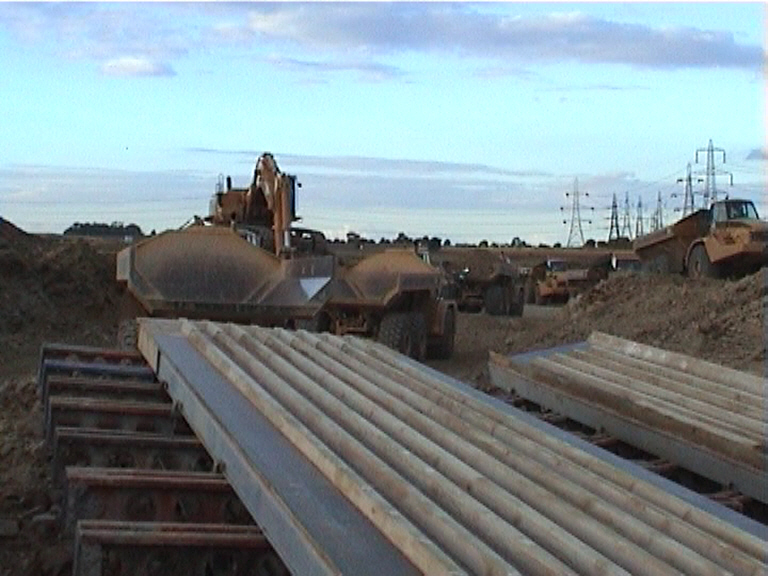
[(159, 418), (149, 496), (104, 548), (119, 449)]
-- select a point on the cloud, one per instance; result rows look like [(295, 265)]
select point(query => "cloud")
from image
[(461, 29), (366, 70), (758, 154), (358, 37), (136, 66), (105, 33)]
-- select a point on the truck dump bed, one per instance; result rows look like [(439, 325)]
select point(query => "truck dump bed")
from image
[(211, 272)]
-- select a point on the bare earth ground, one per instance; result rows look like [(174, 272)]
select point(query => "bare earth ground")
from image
[(55, 289)]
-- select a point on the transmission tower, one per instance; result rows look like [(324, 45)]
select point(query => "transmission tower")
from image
[(626, 225), (575, 218), (688, 203), (710, 187), (657, 220), (614, 221), (639, 222)]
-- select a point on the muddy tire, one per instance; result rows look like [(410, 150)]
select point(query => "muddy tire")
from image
[(699, 265), (517, 302), (441, 348), (495, 301), (418, 336), (128, 334), (404, 332)]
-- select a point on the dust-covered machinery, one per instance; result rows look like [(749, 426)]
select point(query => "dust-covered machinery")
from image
[(727, 239), (245, 263)]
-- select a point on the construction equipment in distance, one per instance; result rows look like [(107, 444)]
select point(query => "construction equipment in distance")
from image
[(728, 239), (553, 281), (245, 263), (483, 279)]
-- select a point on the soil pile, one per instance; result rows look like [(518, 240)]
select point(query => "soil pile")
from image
[(717, 320)]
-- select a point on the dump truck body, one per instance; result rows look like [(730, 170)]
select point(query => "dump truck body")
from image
[(727, 239), (248, 265), (555, 281), (484, 280)]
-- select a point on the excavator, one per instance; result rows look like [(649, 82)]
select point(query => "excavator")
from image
[(245, 262)]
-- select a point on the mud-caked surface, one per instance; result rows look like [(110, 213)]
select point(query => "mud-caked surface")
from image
[(52, 289), (55, 289)]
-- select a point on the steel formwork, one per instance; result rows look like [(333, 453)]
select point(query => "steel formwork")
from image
[(353, 459)]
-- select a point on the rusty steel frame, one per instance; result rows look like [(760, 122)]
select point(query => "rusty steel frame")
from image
[(116, 390), (99, 448), (137, 547), (76, 386), (112, 415), (149, 495)]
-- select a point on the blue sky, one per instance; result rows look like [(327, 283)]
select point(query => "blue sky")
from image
[(466, 121)]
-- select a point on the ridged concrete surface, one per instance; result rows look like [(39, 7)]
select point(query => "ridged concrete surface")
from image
[(457, 483)]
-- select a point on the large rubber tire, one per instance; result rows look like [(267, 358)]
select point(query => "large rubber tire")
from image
[(517, 301), (128, 334), (530, 291), (441, 348), (699, 265), (404, 332), (495, 301), (418, 336)]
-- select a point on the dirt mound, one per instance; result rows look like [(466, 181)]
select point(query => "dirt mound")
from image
[(10, 232), (716, 320), (54, 289)]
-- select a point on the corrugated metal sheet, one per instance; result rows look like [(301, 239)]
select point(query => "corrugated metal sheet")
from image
[(454, 482)]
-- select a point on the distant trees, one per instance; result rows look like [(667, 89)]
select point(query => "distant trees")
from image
[(114, 230)]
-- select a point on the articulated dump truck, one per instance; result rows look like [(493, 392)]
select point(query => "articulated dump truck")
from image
[(244, 263), (483, 280), (728, 239)]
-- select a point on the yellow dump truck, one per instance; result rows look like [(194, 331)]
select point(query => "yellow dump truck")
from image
[(728, 239), (245, 263)]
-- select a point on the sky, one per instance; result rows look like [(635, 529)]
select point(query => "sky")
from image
[(467, 121)]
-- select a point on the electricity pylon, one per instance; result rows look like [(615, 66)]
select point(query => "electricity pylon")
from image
[(639, 222), (575, 218), (688, 204), (614, 221), (657, 220), (710, 186), (626, 225)]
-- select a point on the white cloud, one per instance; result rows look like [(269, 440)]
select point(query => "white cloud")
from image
[(461, 29), (353, 36), (136, 66)]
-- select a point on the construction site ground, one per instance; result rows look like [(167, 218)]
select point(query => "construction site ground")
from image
[(62, 289)]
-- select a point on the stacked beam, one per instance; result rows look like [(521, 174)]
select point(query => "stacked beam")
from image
[(455, 482), (702, 416)]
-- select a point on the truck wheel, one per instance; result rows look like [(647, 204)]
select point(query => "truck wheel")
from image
[(530, 291), (128, 334), (699, 265), (441, 348), (517, 303), (418, 337), (404, 332), (494, 300)]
